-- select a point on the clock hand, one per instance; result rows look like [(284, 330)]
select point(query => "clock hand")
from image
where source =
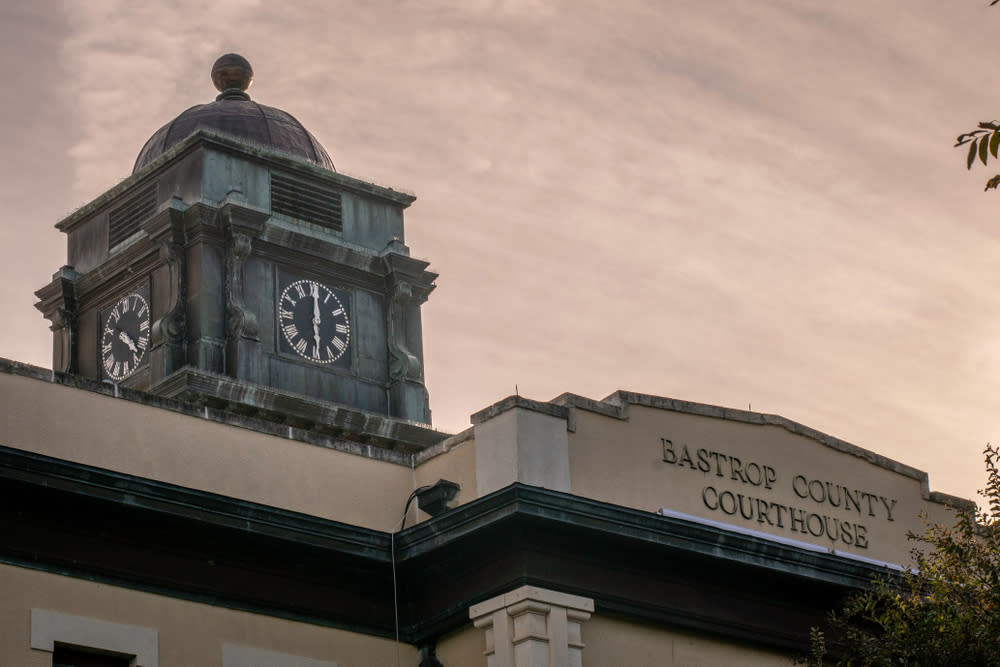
[(125, 338), (316, 318)]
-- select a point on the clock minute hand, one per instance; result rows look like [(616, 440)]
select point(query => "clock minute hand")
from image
[(316, 317)]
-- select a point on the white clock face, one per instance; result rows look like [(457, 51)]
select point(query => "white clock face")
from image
[(125, 337), (313, 321)]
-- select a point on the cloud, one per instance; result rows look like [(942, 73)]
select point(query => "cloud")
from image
[(724, 202)]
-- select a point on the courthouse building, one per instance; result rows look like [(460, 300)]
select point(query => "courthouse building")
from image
[(217, 468)]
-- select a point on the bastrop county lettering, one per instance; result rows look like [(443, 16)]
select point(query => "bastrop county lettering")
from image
[(828, 509)]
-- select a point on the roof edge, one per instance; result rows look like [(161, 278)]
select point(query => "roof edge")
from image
[(616, 406)]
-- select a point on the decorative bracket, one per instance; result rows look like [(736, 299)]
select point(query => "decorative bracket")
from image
[(405, 364), (241, 225), (411, 284), (58, 305), (168, 332)]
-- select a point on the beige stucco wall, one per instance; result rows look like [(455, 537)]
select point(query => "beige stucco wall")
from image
[(158, 444), (612, 641), (622, 462), (609, 641), (455, 463), (189, 633), (465, 646)]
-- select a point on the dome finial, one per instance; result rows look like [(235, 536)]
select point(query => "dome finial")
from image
[(232, 76)]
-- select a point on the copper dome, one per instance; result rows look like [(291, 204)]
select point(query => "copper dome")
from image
[(235, 114)]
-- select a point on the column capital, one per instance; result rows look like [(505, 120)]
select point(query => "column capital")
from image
[(533, 627), (533, 593)]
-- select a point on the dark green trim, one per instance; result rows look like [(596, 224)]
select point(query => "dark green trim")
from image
[(646, 527), (200, 506)]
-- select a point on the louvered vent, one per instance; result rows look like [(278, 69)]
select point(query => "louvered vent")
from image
[(124, 220), (311, 202)]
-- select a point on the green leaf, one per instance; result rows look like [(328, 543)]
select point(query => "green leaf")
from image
[(994, 143), (984, 149), (972, 154)]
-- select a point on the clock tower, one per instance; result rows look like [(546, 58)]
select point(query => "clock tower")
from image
[(237, 268)]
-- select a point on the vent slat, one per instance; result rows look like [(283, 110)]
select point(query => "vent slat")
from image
[(124, 220), (306, 201), (317, 210)]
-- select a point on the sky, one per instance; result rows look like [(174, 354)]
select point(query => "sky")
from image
[(754, 205)]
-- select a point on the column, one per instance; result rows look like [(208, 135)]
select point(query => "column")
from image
[(533, 627)]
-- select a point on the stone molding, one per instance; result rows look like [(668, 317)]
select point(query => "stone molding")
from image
[(533, 627), (50, 627), (217, 141), (617, 404)]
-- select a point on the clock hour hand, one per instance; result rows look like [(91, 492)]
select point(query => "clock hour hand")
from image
[(125, 338)]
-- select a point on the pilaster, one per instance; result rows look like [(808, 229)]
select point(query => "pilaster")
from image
[(533, 627)]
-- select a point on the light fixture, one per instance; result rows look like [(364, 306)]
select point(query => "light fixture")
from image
[(437, 497), (433, 499)]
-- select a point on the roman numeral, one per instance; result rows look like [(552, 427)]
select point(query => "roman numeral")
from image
[(300, 289), (118, 368), (124, 306), (339, 344), (339, 311), (144, 325), (135, 358), (106, 349), (341, 328), (143, 342), (300, 346), (329, 352), (315, 352), (285, 314), (290, 331)]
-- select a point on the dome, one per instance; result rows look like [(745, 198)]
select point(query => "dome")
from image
[(233, 113)]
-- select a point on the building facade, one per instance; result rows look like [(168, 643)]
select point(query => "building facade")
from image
[(231, 462)]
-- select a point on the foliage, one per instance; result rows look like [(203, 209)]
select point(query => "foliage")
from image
[(983, 142), (945, 611)]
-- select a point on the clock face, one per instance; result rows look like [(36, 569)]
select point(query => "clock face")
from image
[(125, 337), (314, 324)]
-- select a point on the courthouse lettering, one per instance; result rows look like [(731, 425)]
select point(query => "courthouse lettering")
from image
[(814, 516)]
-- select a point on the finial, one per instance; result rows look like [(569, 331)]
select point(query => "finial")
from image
[(232, 75)]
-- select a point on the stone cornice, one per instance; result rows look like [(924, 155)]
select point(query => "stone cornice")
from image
[(225, 143), (616, 406)]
